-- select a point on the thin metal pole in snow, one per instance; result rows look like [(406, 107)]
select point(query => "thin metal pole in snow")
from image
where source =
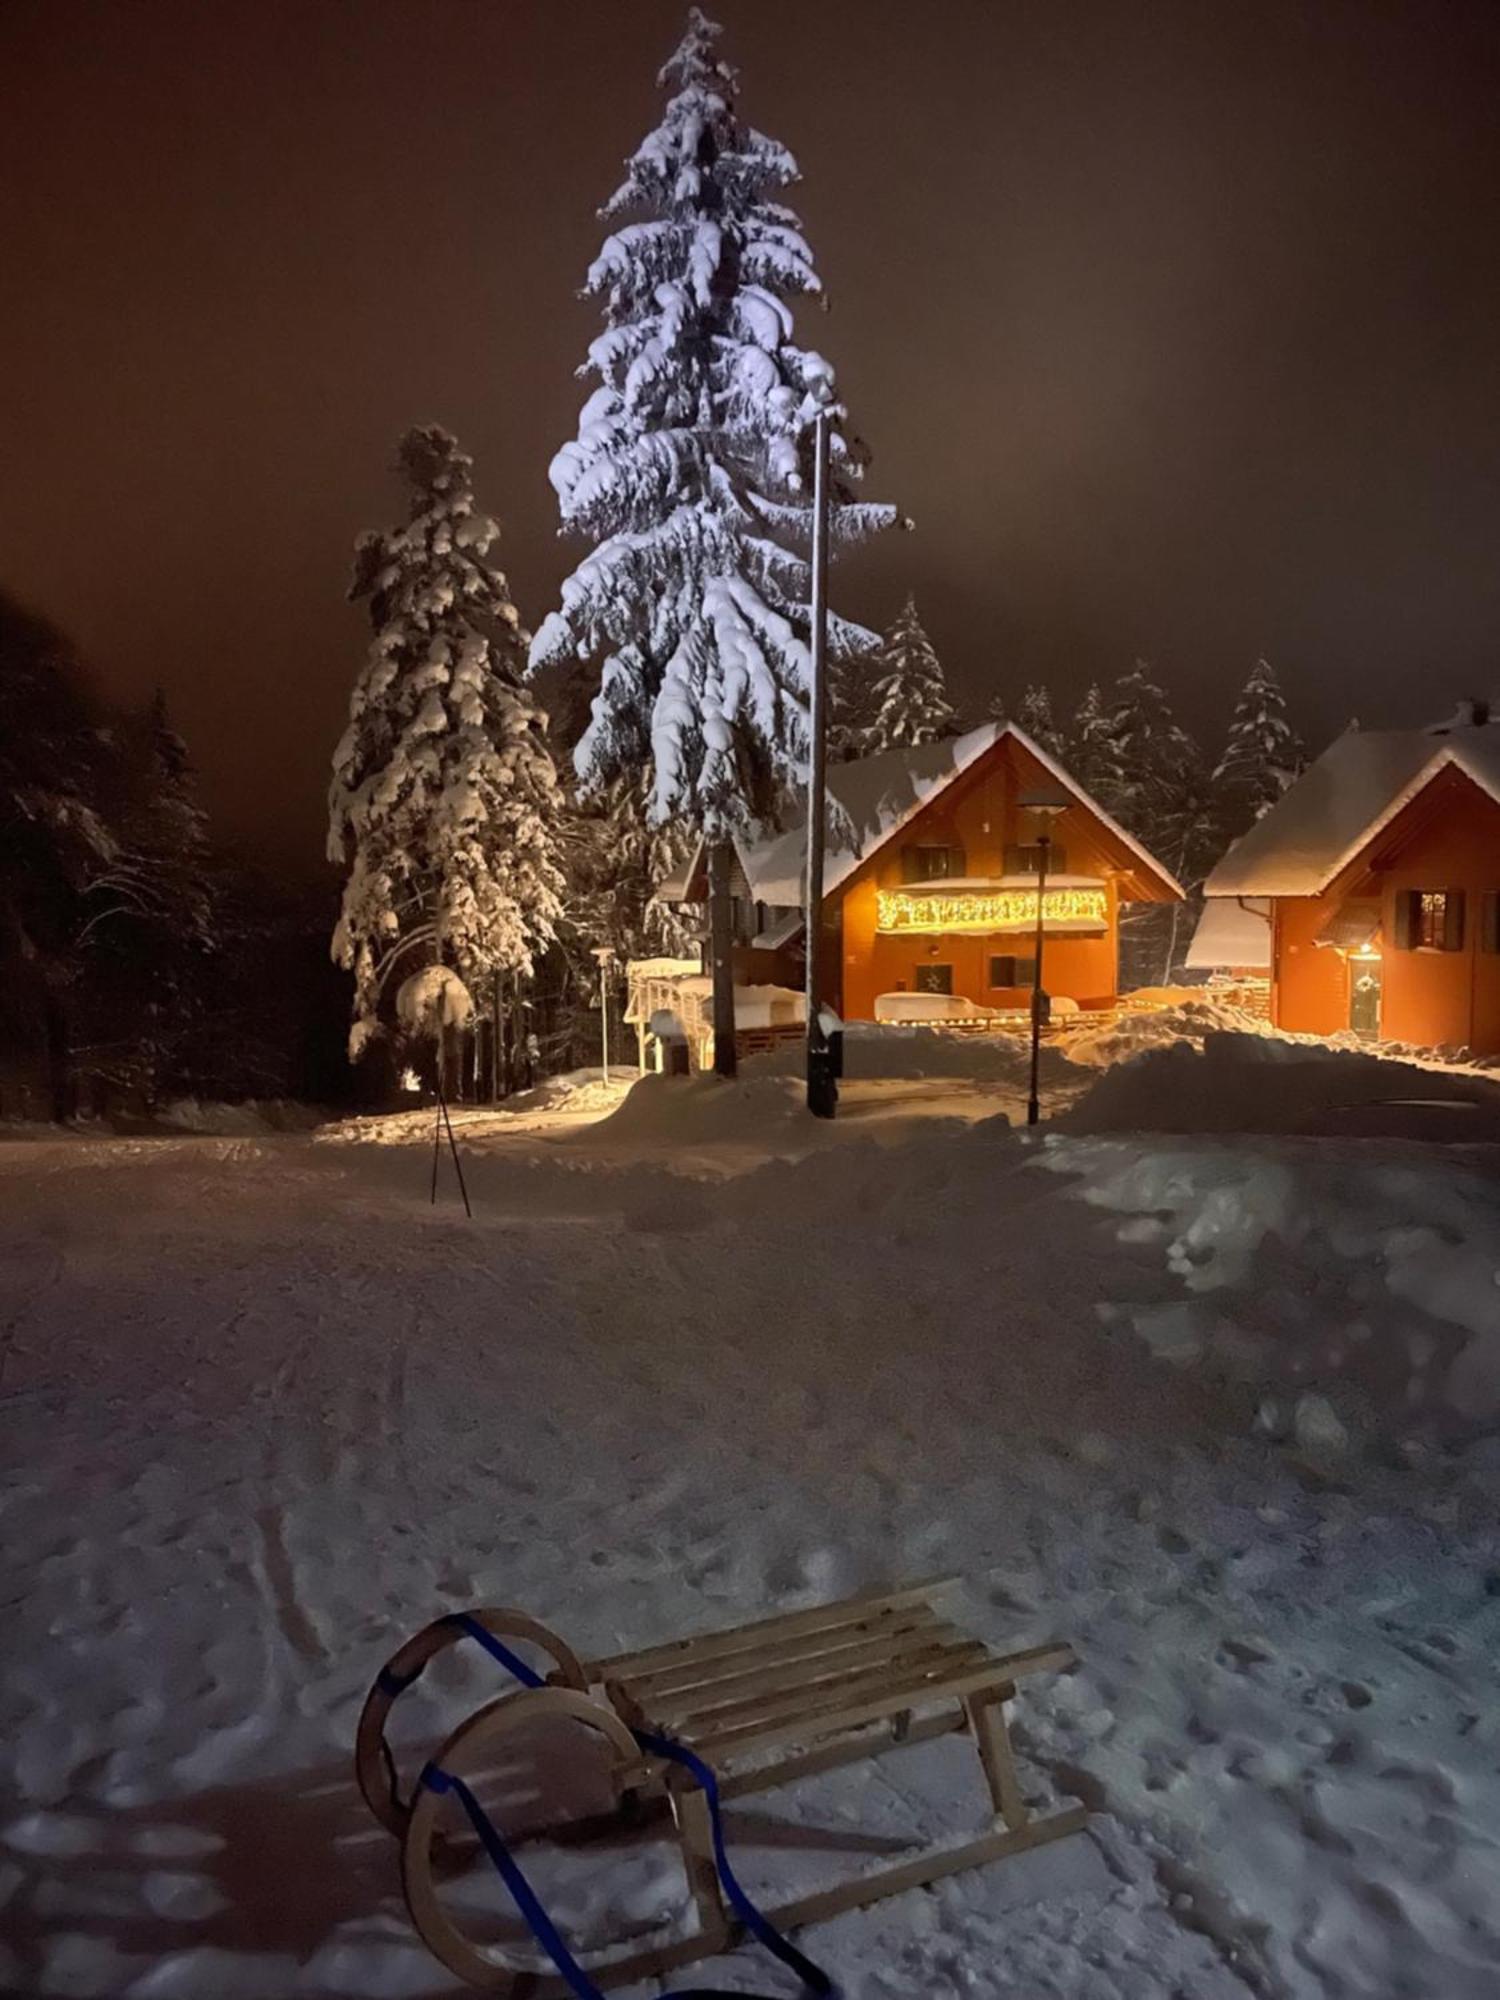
[(821, 1090), (458, 1165), (1033, 1105)]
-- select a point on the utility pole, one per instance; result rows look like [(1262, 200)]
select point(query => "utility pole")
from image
[(1046, 809), (603, 953), (822, 1084)]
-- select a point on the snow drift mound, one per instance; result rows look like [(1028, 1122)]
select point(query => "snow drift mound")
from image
[(694, 1110), (879, 1051), (1357, 1286), (1259, 1083), (1132, 1034)]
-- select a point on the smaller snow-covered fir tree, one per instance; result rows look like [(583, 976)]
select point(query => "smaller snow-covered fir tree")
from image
[(1088, 748), (1261, 756), (1149, 776), (444, 801), (908, 694), (1034, 715)]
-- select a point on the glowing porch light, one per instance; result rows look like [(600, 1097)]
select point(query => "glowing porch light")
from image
[(939, 910)]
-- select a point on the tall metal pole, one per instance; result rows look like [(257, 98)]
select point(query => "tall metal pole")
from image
[(1033, 1106), (821, 1089), (603, 955)]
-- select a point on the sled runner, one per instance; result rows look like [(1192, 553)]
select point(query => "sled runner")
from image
[(702, 1719)]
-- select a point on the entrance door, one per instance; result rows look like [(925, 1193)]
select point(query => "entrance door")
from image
[(1364, 997)]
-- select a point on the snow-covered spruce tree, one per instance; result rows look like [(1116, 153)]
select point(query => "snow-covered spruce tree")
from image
[(1262, 754), (1151, 779), (908, 694), (444, 803), (1088, 748), (1034, 715), (689, 475)]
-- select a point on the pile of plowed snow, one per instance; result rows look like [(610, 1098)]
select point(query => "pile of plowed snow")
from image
[(876, 1051), (1262, 1083), (697, 1110), (1132, 1034)]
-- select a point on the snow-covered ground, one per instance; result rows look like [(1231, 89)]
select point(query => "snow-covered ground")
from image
[(1215, 1408)]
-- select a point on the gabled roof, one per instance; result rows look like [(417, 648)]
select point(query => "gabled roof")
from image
[(1231, 932), (1340, 803), (873, 798)]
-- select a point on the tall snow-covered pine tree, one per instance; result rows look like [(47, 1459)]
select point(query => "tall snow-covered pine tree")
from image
[(689, 475), (908, 695), (444, 802)]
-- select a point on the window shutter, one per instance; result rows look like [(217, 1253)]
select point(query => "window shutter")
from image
[(1453, 920), (1489, 921), (1406, 920), (956, 866), (911, 868), (1013, 858)]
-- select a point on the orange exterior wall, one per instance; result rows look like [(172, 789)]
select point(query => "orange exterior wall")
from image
[(1309, 983), (978, 813), (1447, 839)]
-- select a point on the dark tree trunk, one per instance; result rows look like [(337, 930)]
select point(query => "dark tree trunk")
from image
[(497, 1039), (721, 954), (59, 1074)]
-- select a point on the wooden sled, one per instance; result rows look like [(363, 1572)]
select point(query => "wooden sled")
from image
[(764, 1704)]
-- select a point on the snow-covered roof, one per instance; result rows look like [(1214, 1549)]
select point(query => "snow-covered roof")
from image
[(1341, 802), (874, 797), (1231, 932)]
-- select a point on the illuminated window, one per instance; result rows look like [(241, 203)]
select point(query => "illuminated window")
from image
[(933, 979), (1430, 920)]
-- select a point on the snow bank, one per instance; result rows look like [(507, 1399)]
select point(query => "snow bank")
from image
[(1100, 1045), (910, 1053), (1338, 1279), (252, 1119), (1256, 1083), (693, 1110)]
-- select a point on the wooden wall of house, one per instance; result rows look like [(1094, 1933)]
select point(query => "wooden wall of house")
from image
[(1435, 997), (977, 813), (1449, 838), (1309, 981)]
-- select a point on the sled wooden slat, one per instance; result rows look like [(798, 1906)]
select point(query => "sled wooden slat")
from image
[(887, 1629), (710, 1645), (792, 1699), (766, 1705), (846, 1711), (705, 1698)]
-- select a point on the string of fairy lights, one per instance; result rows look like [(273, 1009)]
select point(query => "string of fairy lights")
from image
[(934, 911)]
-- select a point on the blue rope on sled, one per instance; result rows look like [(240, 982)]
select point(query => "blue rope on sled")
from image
[(526, 1900)]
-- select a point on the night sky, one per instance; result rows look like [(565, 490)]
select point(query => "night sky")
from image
[(1176, 329)]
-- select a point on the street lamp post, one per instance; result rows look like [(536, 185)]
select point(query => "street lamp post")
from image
[(603, 954), (822, 1086), (1046, 807)]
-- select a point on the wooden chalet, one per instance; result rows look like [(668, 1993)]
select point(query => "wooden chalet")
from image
[(1379, 871), (931, 885)]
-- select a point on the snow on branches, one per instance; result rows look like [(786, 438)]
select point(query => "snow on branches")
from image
[(908, 695), (444, 801), (689, 472), (1262, 754)]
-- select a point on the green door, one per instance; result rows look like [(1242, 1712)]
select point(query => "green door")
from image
[(1364, 997)]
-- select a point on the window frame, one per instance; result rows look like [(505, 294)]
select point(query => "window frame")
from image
[(922, 972), (1018, 964)]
